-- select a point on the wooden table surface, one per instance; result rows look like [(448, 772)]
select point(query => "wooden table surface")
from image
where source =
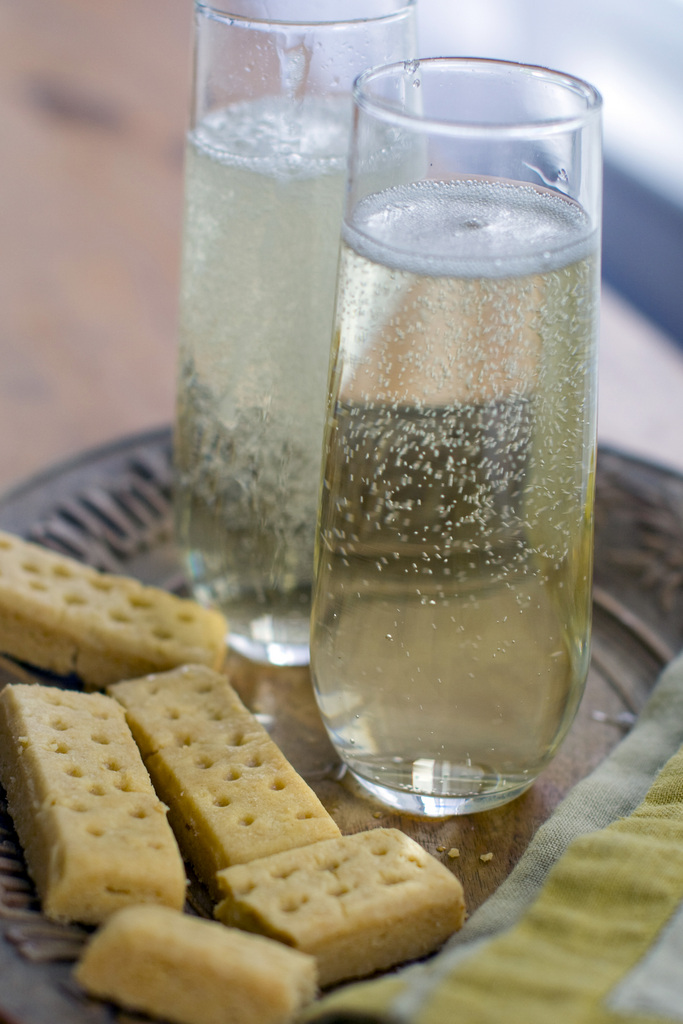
[(94, 100), (93, 106)]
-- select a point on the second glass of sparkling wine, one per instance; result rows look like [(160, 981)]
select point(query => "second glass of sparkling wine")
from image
[(452, 600), (264, 186)]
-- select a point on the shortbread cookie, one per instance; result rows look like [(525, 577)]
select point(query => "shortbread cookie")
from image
[(232, 794), (65, 617), (359, 904), (94, 834), (191, 971)]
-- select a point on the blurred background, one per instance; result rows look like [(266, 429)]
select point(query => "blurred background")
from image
[(93, 106)]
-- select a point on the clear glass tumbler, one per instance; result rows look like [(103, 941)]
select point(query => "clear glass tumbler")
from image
[(264, 184), (452, 600)]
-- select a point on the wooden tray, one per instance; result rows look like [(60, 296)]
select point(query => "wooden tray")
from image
[(111, 508)]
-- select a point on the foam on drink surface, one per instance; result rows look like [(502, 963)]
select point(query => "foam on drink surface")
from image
[(274, 137), (470, 228)]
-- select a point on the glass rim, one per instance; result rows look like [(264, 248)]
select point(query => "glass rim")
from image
[(400, 115), (303, 12)]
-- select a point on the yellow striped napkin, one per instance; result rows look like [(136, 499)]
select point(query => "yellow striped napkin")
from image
[(588, 928)]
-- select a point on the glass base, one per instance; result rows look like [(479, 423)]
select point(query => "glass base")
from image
[(273, 633), (270, 652), (442, 806)]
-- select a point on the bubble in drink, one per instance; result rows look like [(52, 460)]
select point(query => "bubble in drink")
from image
[(451, 618)]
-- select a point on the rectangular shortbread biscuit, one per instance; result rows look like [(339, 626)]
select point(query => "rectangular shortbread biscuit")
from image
[(359, 904), (94, 834), (232, 794), (62, 616), (192, 971)]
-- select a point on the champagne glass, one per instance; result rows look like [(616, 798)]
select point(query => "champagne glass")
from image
[(452, 600), (264, 185)]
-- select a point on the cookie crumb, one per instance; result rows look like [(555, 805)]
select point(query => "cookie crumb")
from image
[(454, 852), (440, 849), (486, 857), (377, 814)]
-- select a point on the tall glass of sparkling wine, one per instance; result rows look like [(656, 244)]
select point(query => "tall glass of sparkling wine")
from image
[(264, 182), (452, 599)]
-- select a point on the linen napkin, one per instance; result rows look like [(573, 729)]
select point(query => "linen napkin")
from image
[(588, 928)]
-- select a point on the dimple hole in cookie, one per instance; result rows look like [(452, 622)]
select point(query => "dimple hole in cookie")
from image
[(74, 771), (140, 601), (112, 765), (393, 879), (247, 820), (340, 890), (62, 572), (37, 585), (74, 599), (162, 634), (30, 567), (215, 715), (62, 748), (222, 801), (79, 808), (97, 790), (185, 739), (124, 785), (5, 545), (278, 785), (202, 688), (116, 615), (114, 891), (304, 815), (102, 585), (173, 714), (380, 851), (254, 762), (139, 812), (289, 906), (204, 762), (95, 830), (59, 724), (282, 873), (101, 738), (186, 617), (238, 739), (233, 775)]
